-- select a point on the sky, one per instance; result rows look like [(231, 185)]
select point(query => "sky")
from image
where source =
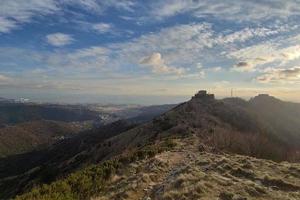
[(148, 51)]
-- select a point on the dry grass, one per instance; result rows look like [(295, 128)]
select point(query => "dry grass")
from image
[(187, 173)]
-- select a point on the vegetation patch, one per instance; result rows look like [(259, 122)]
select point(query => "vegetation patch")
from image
[(90, 181), (279, 184), (226, 196)]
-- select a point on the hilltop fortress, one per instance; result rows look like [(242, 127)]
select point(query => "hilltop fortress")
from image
[(203, 95)]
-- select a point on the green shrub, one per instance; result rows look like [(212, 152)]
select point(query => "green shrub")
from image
[(90, 181), (79, 185)]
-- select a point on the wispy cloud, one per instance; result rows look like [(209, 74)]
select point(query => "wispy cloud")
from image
[(102, 27), (188, 44), (174, 50), (7, 25), (250, 33), (241, 10), (78, 61), (102, 5), (290, 75), (250, 58), (5, 79), (14, 13), (59, 39), (180, 44)]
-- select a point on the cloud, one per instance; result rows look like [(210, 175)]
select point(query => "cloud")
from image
[(290, 53), (290, 75), (249, 33), (181, 44), (244, 66), (14, 13), (157, 65), (275, 52), (81, 59), (102, 27), (187, 44), (242, 10), (215, 69), (202, 70), (102, 5), (6, 25), (4, 79), (59, 39)]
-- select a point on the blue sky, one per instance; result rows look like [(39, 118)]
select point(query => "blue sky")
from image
[(148, 52)]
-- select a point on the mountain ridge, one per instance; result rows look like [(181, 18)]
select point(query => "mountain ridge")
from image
[(219, 125)]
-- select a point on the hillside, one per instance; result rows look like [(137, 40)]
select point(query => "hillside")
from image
[(27, 136), (282, 118), (188, 172), (227, 127), (25, 127), (279, 118), (183, 171), (13, 113), (20, 172)]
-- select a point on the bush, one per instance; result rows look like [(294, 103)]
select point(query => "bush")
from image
[(163, 123), (79, 185), (90, 181)]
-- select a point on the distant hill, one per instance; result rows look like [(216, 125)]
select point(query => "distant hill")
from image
[(65, 156), (147, 113), (281, 118), (13, 113), (27, 136), (26, 127), (229, 126), (278, 118)]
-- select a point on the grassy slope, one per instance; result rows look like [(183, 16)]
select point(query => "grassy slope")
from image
[(186, 171), (189, 172), (27, 136), (21, 172), (92, 180)]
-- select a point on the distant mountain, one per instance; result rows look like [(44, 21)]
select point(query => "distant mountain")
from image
[(27, 136), (281, 118), (147, 113), (203, 124), (278, 118), (135, 113), (13, 113), (26, 126)]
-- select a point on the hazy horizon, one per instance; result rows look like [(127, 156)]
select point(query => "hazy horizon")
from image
[(118, 99)]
